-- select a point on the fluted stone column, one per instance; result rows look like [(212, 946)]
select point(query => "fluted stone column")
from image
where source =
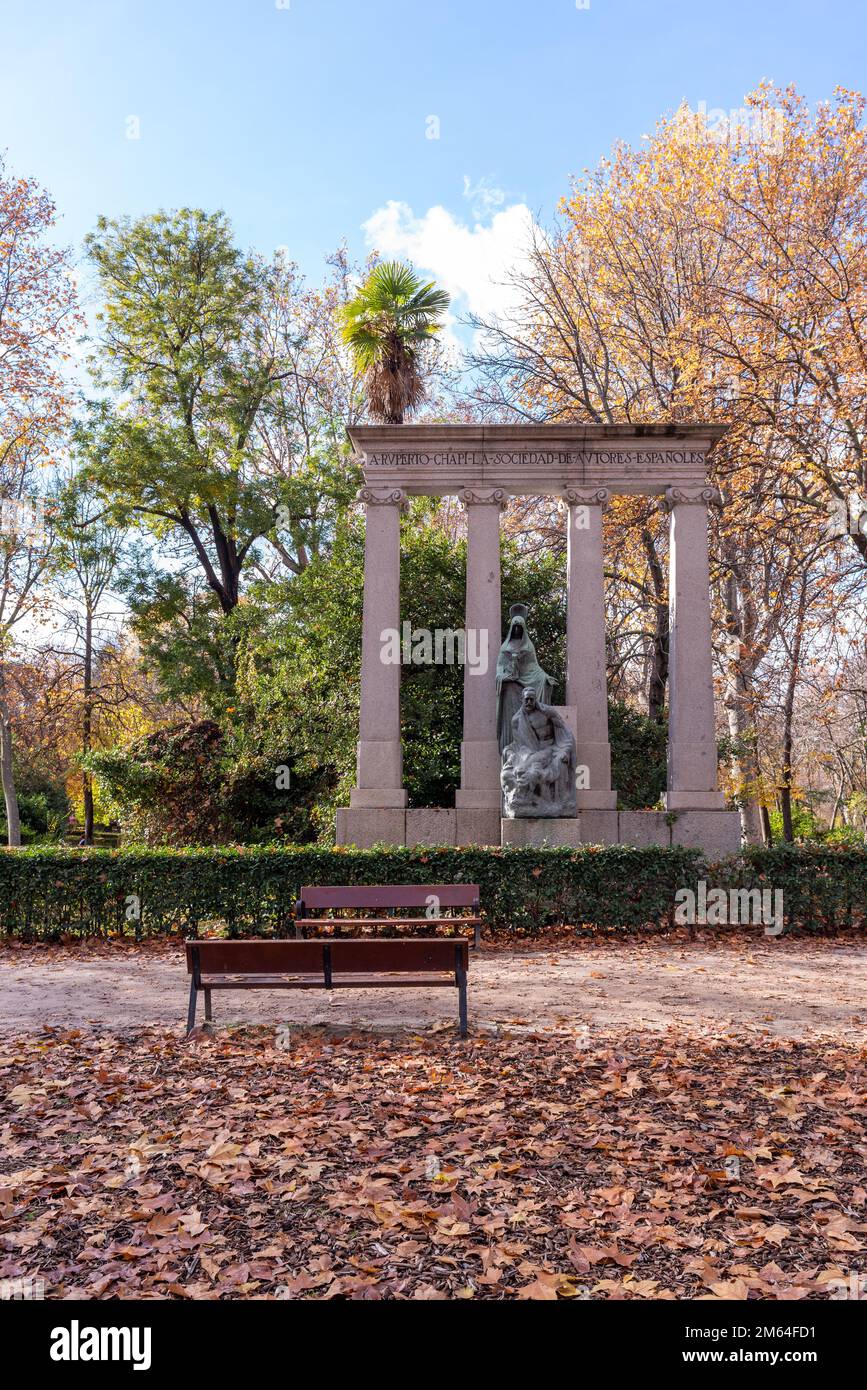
[(586, 679), (380, 757), (478, 798), (692, 762)]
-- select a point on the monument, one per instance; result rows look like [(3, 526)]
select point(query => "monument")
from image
[(583, 465)]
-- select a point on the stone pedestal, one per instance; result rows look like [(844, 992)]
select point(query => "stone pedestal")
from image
[(365, 827), (551, 832), (430, 825), (586, 680), (717, 833)]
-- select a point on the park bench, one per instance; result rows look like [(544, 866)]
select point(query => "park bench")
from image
[(349, 963), (367, 899)]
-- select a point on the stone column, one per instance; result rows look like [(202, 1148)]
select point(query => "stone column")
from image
[(586, 680), (478, 799), (380, 758), (692, 764)]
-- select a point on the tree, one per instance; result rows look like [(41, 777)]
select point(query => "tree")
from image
[(185, 347), (391, 318), (88, 554), (38, 317), (720, 276)]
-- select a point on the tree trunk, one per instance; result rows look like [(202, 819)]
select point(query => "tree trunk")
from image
[(788, 719), (87, 726), (10, 797), (745, 767), (659, 651), (766, 823), (738, 704)]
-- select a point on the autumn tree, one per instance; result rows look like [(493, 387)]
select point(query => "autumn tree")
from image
[(88, 554), (713, 274), (38, 318)]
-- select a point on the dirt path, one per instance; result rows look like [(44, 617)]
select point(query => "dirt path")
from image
[(787, 988)]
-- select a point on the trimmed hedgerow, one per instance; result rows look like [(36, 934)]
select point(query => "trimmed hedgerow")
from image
[(252, 890), (824, 887), (152, 892)]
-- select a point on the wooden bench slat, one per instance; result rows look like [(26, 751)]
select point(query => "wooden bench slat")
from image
[(348, 954), (386, 921), (389, 895)]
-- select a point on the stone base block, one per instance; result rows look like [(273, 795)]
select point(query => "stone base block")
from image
[(553, 831), (478, 799), (598, 827), (477, 827), (643, 828), (431, 825), (694, 801), (480, 764), (718, 833), (377, 798), (367, 826), (380, 764)]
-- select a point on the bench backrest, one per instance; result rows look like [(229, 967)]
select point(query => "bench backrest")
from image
[(349, 956), (390, 895)]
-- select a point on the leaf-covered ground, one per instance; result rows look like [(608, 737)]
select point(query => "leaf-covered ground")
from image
[(317, 1164), (791, 987)]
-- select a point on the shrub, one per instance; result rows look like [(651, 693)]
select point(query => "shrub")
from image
[(148, 892), (638, 756), (252, 890)]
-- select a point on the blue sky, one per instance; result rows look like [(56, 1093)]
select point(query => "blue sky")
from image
[(307, 120)]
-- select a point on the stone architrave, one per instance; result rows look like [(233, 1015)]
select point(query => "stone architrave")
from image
[(586, 679), (480, 752), (380, 758), (692, 757)]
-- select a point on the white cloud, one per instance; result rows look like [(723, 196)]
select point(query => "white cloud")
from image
[(483, 196), (471, 262)]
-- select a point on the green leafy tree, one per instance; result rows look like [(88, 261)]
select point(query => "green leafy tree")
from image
[(185, 348)]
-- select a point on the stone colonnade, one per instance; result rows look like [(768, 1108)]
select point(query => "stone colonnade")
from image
[(692, 765)]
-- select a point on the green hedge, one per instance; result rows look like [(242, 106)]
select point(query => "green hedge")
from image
[(824, 886), (50, 893)]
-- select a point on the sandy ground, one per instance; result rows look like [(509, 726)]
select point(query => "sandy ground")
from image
[(794, 988)]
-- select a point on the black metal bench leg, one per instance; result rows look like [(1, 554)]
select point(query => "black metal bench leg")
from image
[(477, 937), (208, 1014), (191, 1011), (462, 1000)]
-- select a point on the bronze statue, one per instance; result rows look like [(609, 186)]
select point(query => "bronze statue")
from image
[(517, 670), (536, 746)]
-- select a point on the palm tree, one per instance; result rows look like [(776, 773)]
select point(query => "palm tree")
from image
[(391, 317)]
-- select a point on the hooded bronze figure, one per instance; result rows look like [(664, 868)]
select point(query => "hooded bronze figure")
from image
[(517, 670)]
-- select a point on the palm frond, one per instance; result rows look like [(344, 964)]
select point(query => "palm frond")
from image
[(392, 314)]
